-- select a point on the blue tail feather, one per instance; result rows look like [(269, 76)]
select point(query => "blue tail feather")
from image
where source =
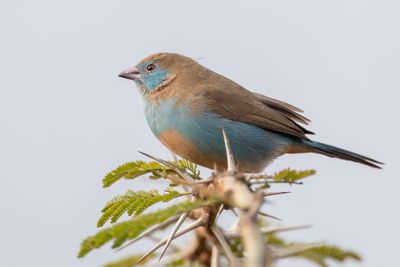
[(335, 152)]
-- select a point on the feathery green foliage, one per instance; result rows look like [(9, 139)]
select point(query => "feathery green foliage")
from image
[(176, 263), (129, 261), (130, 229), (237, 247), (189, 167), (290, 176), (134, 203), (319, 255), (316, 254), (132, 170)]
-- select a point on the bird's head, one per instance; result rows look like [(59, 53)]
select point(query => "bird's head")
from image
[(156, 71)]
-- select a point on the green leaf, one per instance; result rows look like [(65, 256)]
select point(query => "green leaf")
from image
[(134, 203), (319, 255), (129, 261), (288, 175), (273, 239), (130, 229), (237, 247), (132, 170), (189, 167), (175, 263)]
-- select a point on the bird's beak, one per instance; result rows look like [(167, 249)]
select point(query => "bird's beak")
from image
[(131, 74)]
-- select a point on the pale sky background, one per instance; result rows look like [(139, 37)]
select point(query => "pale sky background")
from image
[(67, 119)]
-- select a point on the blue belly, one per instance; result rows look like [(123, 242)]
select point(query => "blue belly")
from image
[(251, 146)]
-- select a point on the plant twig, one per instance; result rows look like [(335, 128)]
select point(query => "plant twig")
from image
[(249, 176), (207, 181), (258, 254), (271, 181), (214, 256)]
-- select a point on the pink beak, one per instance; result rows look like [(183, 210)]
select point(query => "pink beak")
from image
[(130, 74)]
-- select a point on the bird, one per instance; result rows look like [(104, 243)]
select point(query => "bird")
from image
[(187, 105)]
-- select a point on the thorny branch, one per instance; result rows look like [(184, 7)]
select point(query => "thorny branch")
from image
[(249, 242), (233, 189)]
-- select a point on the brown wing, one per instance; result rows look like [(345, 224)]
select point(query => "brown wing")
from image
[(291, 112), (234, 102)]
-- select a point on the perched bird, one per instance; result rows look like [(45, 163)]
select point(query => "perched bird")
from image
[(187, 105)]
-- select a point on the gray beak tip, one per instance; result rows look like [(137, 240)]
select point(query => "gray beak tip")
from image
[(122, 75), (130, 74)]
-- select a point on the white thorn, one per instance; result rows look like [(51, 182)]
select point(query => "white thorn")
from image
[(224, 244), (229, 156), (267, 230), (190, 227), (174, 156), (150, 230), (174, 247), (267, 194), (268, 215), (234, 212), (272, 230), (221, 208), (173, 232), (215, 167)]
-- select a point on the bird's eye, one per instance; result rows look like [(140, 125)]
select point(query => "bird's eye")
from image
[(150, 67)]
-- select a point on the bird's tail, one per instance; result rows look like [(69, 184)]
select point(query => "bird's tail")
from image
[(336, 152)]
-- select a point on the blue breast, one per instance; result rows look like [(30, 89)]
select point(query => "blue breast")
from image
[(203, 129)]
